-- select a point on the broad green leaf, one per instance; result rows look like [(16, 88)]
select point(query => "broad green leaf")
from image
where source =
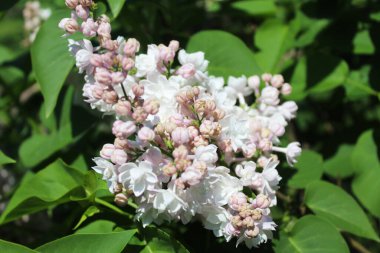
[(357, 84), (366, 188), (51, 60), (51, 186), (6, 54), (113, 242), (41, 146), (10, 247), (325, 72), (273, 39), (256, 7), (364, 156), (299, 80), (159, 241), (5, 159), (339, 166), (227, 54), (311, 235), (337, 206), (309, 168), (97, 227), (116, 6), (363, 43), (12, 76)]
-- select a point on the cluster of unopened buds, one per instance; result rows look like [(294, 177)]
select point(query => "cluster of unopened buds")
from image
[(187, 146), (34, 15)]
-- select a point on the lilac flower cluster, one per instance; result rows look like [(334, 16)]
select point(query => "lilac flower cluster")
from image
[(186, 144)]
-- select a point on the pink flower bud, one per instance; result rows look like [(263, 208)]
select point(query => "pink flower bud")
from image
[(151, 106), (70, 25), (166, 54), (174, 45), (108, 59), (121, 199), (286, 89), (180, 135), (71, 3), (169, 127), (127, 63), (261, 201), (250, 233), (249, 150), (108, 44), (117, 77), (254, 82), (107, 151), (169, 169), (110, 97), (139, 114), (137, 89), (191, 176), (121, 143), (200, 141), (186, 71), (237, 200), (131, 47), (82, 12), (86, 3), (266, 77), (97, 91), (265, 145), (103, 76), (269, 96), (89, 28), (104, 30), (262, 161), (124, 130), (119, 157), (96, 60), (231, 230), (277, 81), (193, 132), (146, 134), (180, 152), (123, 108)]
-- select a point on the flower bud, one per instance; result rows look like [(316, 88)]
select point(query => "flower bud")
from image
[(174, 45), (124, 129), (121, 143), (277, 129), (123, 108), (180, 152), (293, 150), (104, 30), (286, 89), (236, 200), (139, 114), (70, 25), (193, 132), (277, 81), (107, 151), (169, 169), (200, 141), (266, 77), (86, 3), (110, 97), (151, 106), (119, 157), (180, 135), (137, 89), (131, 47), (96, 60), (269, 96), (251, 233), (146, 134), (261, 201), (97, 91), (254, 82), (127, 63), (82, 12), (166, 54), (231, 230), (89, 28), (121, 199), (191, 176), (103, 76), (117, 77), (71, 3), (186, 71)]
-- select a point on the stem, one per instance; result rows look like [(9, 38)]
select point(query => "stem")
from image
[(113, 208), (358, 246), (125, 93)]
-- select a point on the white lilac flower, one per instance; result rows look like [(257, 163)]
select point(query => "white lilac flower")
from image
[(138, 178), (147, 63), (108, 170)]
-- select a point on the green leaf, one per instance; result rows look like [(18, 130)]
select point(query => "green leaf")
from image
[(366, 188), (325, 72), (10, 247), (51, 186), (51, 60), (97, 227), (90, 211), (339, 166), (311, 235), (364, 156), (6, 54), (273, 39), (31, 152), (227, 54), (337, 206), (299, 80), (256, 7), (159, 241), (309, 168), (89, 243), (5, 159), (363, 43), (357, 84), (116, 6)]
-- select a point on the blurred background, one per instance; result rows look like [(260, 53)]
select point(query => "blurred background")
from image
[(327, 49)]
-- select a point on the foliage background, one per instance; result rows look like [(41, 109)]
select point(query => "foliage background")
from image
[(327, 49)]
